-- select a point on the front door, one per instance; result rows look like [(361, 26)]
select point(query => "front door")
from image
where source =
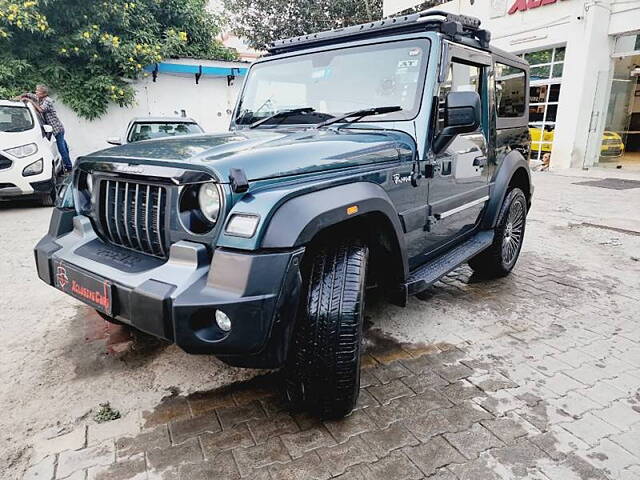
[(459, 188)]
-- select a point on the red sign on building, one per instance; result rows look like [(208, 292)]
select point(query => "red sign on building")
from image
[(523, 5)]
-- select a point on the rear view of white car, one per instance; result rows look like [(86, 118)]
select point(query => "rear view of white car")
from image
[(29, 159)]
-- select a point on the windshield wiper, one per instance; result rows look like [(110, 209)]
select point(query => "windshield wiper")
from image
[(282, 114), (359, 115)]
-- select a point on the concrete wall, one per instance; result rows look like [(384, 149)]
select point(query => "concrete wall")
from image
[(210, 103)]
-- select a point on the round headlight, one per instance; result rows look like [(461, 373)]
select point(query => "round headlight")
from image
[(209, 200)]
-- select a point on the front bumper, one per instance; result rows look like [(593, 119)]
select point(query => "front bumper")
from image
[(35, 189), (176, 299)]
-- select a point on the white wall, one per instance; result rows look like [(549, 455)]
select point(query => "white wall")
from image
[(210, 103)]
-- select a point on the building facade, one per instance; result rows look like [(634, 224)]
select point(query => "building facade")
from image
[(585, 73)]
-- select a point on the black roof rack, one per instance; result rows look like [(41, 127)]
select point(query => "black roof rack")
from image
[(460, 28)]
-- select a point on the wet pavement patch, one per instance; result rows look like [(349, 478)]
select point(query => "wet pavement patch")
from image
[(611, 183)]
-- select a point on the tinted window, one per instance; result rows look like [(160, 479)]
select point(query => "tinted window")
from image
[(510, 91), (147, 131), (15, 119), (338, 81)]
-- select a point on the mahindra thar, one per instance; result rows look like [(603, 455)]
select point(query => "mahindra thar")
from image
[(378, 156)]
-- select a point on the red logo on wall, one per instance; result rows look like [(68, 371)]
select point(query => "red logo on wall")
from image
[(523, 5)]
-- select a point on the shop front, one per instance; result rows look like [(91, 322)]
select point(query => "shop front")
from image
[(620, 145), (585, 66)]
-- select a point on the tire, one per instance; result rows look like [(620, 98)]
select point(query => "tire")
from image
[(49, 200), (323, 368), (499, 259)]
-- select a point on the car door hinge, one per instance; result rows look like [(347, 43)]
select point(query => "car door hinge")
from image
[(430, 169), (431, 222)]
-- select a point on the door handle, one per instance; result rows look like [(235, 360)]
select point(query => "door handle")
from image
[(480, 162)]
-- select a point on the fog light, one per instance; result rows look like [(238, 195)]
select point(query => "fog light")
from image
[(224, 322)]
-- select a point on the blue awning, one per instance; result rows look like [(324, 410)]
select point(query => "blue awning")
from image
[(196, 69)]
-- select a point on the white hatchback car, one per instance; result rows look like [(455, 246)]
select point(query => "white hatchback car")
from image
[(29, 160)]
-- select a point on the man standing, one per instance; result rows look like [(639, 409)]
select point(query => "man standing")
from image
[(44, 104)]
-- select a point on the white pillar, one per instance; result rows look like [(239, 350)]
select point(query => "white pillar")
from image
[(587, 59)]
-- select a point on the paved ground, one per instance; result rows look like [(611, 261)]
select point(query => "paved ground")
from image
[(533, 376)]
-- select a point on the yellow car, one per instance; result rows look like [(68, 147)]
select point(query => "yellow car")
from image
[(612, 145)]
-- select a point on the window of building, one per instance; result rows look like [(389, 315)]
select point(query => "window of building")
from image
[(544, 93), (510, 91)]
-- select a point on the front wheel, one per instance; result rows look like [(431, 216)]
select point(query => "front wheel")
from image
[(499, 259), (323, 369)]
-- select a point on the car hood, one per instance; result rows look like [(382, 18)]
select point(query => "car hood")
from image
[(16, 139), (267, 153)]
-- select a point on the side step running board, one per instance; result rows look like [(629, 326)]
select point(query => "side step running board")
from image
[(429, 273)]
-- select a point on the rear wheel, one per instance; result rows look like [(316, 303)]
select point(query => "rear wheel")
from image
[(323, 369), (500, 258)]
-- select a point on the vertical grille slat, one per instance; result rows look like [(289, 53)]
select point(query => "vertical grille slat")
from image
[(132, 215)]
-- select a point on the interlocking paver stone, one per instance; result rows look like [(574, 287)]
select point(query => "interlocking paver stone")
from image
[(510, 427), (620, 414), (231, 416), (427, 380), (203, 402), (354, 424), (396, 466), (168, 457), (222, 467), (392, 371), (43, 470), (157, 437), (396, 436), (473, 441), (186, 428), (236, 437), (171, 408), (433, 454), (309, 467), (299, 443), (590, 429), (462, 390), (71, 461), (352, 452), (266, 428), (387, 392), (133, 468), (258, 457)]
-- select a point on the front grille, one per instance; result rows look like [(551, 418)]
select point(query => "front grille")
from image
[(5, 163), (611, 141), (132, 215), (7, 185)]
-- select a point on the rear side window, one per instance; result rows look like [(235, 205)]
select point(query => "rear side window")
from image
[(511, 92)]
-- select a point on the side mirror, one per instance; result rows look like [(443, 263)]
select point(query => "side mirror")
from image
[(114, 140), (47, 128), (461, 115)]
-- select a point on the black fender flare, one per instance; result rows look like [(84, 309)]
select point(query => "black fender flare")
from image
[(299, 219), (509, 166)]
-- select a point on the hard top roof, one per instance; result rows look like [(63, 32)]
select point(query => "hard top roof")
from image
[(460, 28)]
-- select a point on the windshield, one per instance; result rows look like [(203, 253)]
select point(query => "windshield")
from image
[(147, 131), (15, 119), (337, 82)]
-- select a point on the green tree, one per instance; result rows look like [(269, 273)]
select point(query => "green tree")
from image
[(263, 21), (90, 50)]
